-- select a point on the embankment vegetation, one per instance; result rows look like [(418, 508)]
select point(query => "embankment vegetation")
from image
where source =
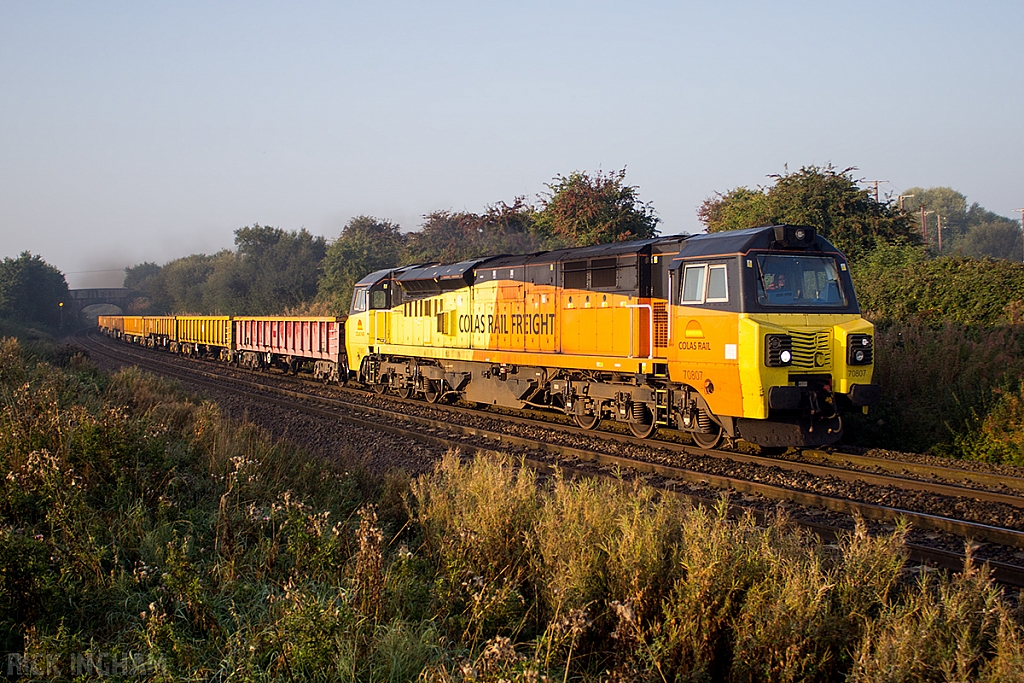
[(143, 530), (950, 355)]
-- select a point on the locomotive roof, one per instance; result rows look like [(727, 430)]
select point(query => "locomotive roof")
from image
[(738, 242), (579, 253), (375, 277), (433, 277), (438, 272)]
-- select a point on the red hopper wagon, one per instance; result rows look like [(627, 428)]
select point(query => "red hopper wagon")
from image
[(316, 344)]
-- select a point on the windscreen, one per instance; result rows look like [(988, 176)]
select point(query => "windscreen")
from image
[(798, 280)]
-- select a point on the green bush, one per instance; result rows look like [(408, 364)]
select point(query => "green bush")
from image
[(949, 354)]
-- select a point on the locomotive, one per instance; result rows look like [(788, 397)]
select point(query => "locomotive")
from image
[(747, 334)]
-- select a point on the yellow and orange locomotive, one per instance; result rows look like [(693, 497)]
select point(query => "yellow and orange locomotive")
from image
[(752, 334)]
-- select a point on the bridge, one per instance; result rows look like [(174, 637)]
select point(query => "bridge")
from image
[(83, 299)]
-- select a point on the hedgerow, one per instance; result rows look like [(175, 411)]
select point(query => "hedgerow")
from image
[(899, 284)]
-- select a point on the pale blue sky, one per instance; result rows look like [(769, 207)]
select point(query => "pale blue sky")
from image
[(134, 131)]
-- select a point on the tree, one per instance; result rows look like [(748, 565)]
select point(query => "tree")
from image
[(822, 197), (366, 244), (31, 290), (938, 201), (279, 269), (180, 286), (583, 210), (997, 239), (449, 237), (970, 230), (137, 277)]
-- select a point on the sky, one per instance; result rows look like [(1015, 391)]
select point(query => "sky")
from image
[(136, 131)]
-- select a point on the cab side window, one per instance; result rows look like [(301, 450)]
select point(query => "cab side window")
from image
[(693, 284), (359, 301), (704, 283), (718, 285), (378, 299)]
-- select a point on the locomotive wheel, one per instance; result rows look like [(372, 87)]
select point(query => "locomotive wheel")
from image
[(431, 391), (404, 392), (380, 389), (708, 440), (587, 421), (644, 429)]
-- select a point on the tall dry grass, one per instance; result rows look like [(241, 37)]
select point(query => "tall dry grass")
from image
[(627, 585)]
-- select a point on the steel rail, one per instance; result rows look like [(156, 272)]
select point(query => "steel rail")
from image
[(951, 473)]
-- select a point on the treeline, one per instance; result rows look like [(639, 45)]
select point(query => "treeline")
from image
[(960, 228), (32, 291), (270, 271), (274, 271)]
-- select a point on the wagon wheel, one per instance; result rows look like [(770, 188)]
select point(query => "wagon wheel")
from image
[(643, 425), (587, 421), (708, 440), (431, 390)]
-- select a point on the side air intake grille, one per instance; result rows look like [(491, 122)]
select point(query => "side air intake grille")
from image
[(660, 326)]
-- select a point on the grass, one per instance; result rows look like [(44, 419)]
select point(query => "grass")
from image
[(140, 528)]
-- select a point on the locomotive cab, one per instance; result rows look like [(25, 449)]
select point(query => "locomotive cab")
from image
[(769, 340), (367, 324)]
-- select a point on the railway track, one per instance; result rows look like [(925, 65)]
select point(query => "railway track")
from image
[(828, 515)]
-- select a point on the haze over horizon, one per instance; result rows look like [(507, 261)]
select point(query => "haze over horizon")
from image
[(133, 133)]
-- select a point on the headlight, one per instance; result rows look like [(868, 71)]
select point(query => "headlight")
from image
[(860, 349), (778, 350)]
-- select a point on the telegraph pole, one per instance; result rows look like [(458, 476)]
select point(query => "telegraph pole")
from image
[(905, 196), (924, 225), (875, 183), (1021, 222), (938, 221)]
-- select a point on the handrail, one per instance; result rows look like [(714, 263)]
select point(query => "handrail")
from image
[(650, 330)]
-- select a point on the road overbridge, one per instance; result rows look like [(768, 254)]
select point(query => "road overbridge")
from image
[(94, 301)]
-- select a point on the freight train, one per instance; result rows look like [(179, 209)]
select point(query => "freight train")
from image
[(311, 344), (748, 334)]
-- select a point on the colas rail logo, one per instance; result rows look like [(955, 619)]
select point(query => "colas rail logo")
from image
[(535, 324)]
